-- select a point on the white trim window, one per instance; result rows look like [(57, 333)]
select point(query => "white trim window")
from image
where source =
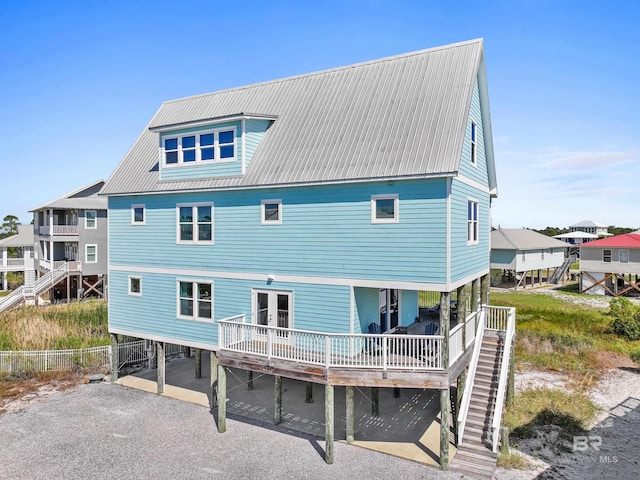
[(195, 300), (473, 144), (194, 223), (473, 231), (138, 215), (135, 286), (524, 256), (91, 253), (385, 208), (271, 212), (206, 146), (623, 255), (90, 219), (606, 255)]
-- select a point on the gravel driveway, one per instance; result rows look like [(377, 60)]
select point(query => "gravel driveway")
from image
[(108, 431)]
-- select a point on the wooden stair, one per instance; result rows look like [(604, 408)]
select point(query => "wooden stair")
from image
[(475, 457)]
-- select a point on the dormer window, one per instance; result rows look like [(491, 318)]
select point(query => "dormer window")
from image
[(200, 148)]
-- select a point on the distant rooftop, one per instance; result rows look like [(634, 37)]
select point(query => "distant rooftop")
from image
[(522, 239)]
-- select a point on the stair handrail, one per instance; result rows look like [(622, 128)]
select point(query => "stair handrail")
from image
[(45, 282), (468, 384), (503, 378), (559, 272), (10, 300)]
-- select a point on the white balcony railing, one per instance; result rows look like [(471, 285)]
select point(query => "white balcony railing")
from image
[(48, 230)]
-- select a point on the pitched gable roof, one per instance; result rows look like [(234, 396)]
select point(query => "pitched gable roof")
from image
[(626, 240), (22, 238), (522, 239), (84, 197), (393, 118)]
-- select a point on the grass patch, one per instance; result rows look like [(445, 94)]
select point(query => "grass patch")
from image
[(4, 293), (572, 412), (554, 334), (76, 325), (513, 460)]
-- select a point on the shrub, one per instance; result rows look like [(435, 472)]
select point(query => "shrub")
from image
[(626, 321), (635, 355)]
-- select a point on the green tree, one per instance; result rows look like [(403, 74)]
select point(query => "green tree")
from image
[(9, 226)]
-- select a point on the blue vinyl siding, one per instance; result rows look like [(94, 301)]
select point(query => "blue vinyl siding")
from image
[(367, 308), (326, 231), (479, 171), (408, 307), (254, 131), (209, 169), (468, 259), (503, 259), (323, 308)]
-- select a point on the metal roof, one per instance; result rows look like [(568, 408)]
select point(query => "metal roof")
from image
[(398, 117), (626, 240), (23, 238), (84, 197), (522, 239), (587, 223)]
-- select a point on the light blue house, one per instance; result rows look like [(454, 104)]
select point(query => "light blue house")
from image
[(279, 224)]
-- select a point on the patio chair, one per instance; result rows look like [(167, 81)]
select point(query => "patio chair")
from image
[(374, 343), (431, 328)]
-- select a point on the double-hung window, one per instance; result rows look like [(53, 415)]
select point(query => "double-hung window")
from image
[(200, 148), (385, 208), (91, 253), (473, 145), (90, 219), (195, 223), (472, 222), (606, 255), (195, 300)]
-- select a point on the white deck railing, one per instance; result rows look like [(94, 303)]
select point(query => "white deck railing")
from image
[(386, 352), (330, 350)]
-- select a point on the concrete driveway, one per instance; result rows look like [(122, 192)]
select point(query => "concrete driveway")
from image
[(109, 431)]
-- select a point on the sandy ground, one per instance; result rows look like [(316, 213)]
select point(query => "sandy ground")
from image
[(611, 448)]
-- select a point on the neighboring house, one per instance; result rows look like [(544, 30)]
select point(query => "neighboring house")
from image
[(611, 266), (576, 237), (587, 226), (520, 257), (278, 224), (22, 242), (71, 232)]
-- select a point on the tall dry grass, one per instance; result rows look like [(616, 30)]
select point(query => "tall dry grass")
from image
[(76, 325)]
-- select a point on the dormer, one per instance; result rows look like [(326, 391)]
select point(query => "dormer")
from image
[(215, 147)]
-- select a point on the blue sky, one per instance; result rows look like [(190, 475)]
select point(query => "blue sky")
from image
[(79, 81)]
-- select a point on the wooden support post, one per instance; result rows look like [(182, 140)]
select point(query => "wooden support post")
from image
[(213, 378), (328, 424), (161, 367), (222, 399), (198, 363), (475, 299), (350, 413), (375, 401), (462, 379), (186, 352), (484, 290), (445, 312), (444, 429), (115, 361), (511, 379), (249, 379), (277, 414), (309, 394), (68, 282), (504, 440), (396, 392)]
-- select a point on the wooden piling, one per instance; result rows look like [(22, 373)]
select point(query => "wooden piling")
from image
[(115, 361), (198, 363), (328, 424), (222, 399), (444, 429), (161, 367), (213, 378), (350, 413), (249, 379), (309, 393), (375, 401), (277, 414)]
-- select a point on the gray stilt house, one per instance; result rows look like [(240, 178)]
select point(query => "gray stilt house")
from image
[(332, 228)]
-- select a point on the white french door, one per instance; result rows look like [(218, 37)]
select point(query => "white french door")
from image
[(273, 308)]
